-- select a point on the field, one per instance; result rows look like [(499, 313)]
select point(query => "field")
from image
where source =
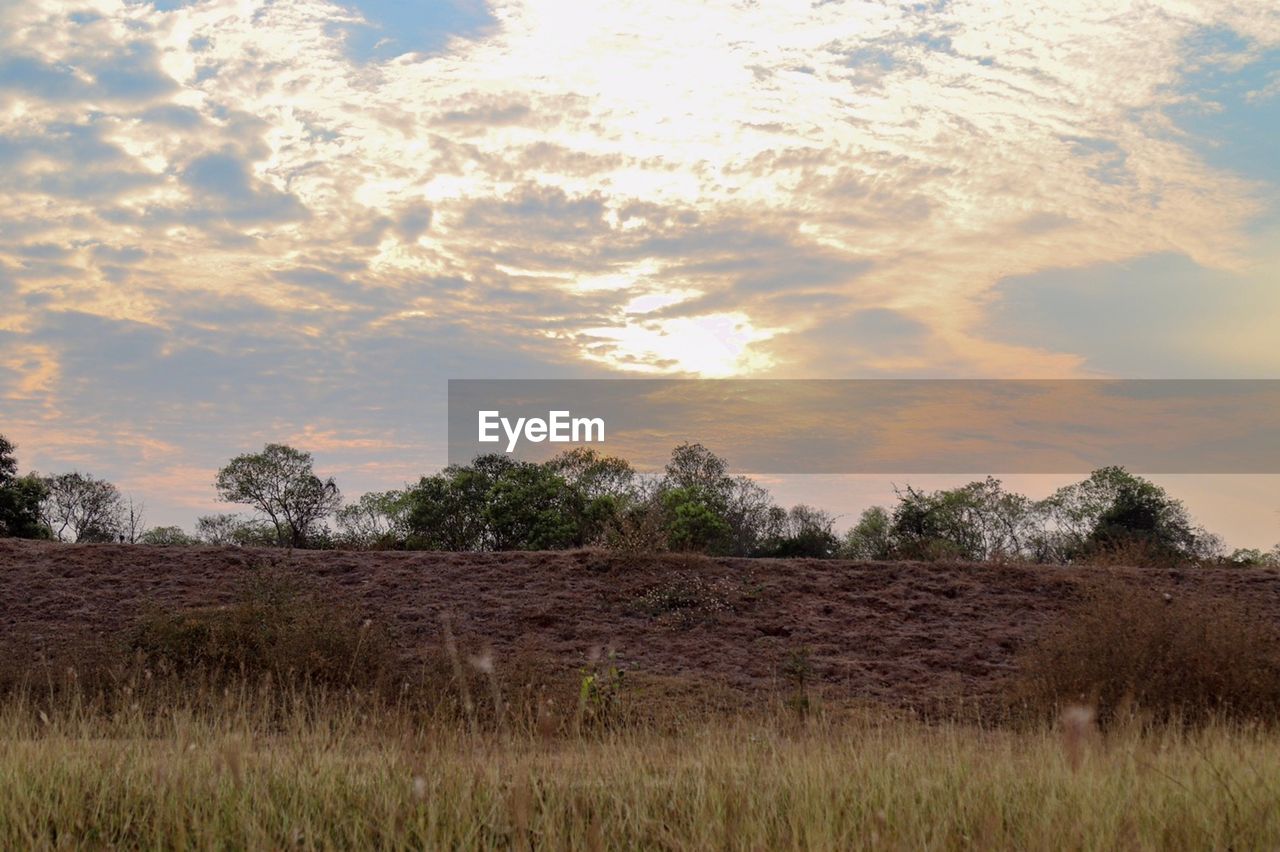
[(761, 704)]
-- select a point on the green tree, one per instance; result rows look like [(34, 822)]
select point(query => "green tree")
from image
[(728, 514), (694, 520), (279, 482), (605, 487), (1113, 509), (530, 507), (167, 537), (447, 511), (377, 521), (20, 498), (803, 531), (871, 538)]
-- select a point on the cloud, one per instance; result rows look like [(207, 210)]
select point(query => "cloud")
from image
[(247, 194), (225, 187), (1160, 316)]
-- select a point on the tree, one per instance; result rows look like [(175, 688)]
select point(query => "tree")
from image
[(20, 498), (694, 520), (133, 524), (447, 510), (532, 508), (8, 462), (977, 521), (749, 511), (79, 507), (279, 482), (167, 537), (694, 466), (1114, 508), (804, 532), (871, 538), (378, 520), (605, 487), (234, 529)]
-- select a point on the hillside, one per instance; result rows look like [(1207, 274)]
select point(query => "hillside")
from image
[(914, 635)]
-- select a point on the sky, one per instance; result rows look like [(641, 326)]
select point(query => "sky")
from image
[(227, 222)]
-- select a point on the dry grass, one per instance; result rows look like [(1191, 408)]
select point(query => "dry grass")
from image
[(279, 627), (210, 729), (355, 777), (1132, 652)]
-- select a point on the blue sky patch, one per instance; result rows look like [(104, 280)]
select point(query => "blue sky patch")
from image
[(1144, 318), (1232, 115), (396, 27)]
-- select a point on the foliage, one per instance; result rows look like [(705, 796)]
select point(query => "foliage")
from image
[(20, 498), (1111, 509), (1251, 557), (167, 537), (533, 508), (871, 538), (600, 693), (447, 510), (496, 503), (234, 529), (603, 486), (79, 507), (694, 519), (279, 483), (977, 521), (8, 463), (377, 521), (1113, 517), (802, 531)]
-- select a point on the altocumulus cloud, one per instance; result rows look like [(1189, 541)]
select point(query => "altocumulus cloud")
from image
[(226, 190)]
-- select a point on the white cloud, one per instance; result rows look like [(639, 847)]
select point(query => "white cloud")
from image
[(715, 187)]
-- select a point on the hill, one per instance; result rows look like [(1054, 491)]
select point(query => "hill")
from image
[(914, 635)]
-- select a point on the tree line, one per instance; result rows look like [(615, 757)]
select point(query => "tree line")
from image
[(582, 498)]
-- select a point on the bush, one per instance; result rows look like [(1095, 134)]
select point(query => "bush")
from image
[(685, 598), (1180, 657), (167, 537), (278, 628)]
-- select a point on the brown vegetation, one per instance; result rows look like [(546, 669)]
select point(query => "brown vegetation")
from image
[(1131, 650), (933, 638)]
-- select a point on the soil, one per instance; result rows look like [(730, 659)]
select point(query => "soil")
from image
[(913, 635)]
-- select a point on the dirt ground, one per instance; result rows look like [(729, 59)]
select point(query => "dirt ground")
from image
[(906, 634)]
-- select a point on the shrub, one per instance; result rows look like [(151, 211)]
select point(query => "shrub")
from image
[(637, 531), (278, 627), (167, 537), (685, 598), (1171, 657)]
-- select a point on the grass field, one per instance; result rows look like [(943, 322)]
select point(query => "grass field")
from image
[(347, 776), (290, 713)]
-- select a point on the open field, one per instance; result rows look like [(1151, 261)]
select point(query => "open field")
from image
[(349, 781), (765, 705)]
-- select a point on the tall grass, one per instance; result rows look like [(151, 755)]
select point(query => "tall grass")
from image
[(1132, 652), (281, 721), (353, 777)]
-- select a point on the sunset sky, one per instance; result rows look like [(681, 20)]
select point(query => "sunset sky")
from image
[(228, 222)]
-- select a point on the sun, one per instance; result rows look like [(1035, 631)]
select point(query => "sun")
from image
[(716, 345)]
